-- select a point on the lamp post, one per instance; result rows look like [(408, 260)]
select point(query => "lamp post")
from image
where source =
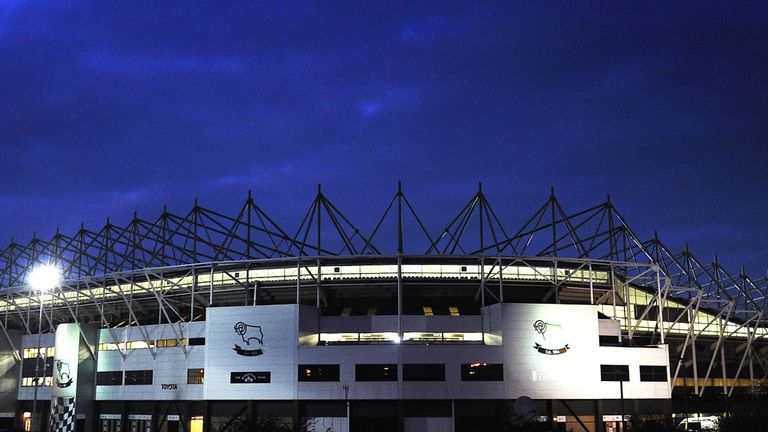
[(346, 400), (42, 278)]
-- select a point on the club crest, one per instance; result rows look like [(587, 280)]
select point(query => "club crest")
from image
[(63, 378), (252, 336), (550, 338)]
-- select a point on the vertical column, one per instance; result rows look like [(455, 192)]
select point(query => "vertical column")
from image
[(73, 388)]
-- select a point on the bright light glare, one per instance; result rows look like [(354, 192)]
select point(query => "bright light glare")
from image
[(44, 277)]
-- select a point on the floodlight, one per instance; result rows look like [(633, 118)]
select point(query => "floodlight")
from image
[(44, 277)]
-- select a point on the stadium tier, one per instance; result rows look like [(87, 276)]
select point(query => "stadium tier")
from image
[(208, 322)]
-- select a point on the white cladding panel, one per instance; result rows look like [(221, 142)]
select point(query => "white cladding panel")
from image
[(169, 365), (251, 339), (558, 358), (553, 351)]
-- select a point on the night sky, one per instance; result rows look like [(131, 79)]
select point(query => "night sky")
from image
[(114, 107)]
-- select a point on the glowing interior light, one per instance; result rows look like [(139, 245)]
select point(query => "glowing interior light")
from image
[(44, 277)]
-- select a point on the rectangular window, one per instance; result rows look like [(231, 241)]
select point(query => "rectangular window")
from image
[(423, 372), (376, 372), (196, 341), (138, 377), (653, 373), (32, 352), (132, 345), (609, 341), (195, 376), (614, 372), (109, 378), (428, 338), (250, 377), (482, 372), (31, 367), (323, 372), (30, 381)]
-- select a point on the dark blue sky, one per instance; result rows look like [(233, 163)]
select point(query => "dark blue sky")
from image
[(111, 107)]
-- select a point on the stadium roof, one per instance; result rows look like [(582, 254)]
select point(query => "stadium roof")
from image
[(599, 232)]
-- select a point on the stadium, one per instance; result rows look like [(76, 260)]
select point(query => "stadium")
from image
[(211, 322)]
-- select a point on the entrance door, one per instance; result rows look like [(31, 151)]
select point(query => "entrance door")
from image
[(173, 426), (135, 425), (110, 425), (196, 424)]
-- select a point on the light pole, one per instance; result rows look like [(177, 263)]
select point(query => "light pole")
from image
[(346, 400), (42, 278)]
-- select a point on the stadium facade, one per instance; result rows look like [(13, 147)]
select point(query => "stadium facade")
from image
[(209, 322)]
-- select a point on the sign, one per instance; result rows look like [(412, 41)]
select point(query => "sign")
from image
[(615, 418), (169, 387), (560, 419), (139, 417), (249, 333), (173, 417), (250, 377), (110, 416), (554, 345), (63, 376), (80, 417)]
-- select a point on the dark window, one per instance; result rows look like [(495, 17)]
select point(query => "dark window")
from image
[(653, 373), (327, 372), (482, 372), (423, 372), (44, 367), (109, 378), (614, 372), (138, 377), (250, 377), (197, 341), (195, 376), (376, 372), (609, 341), (668, 314)]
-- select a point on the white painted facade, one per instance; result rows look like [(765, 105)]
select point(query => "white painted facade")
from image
[(288, 333)]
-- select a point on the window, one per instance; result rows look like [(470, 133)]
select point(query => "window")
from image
[(609, 341), (30, 381), (327, 372), (423, 337), (668, 314), (482, 372), (109, 378), (138, 377), (31, 367), (111, 346), (169, 343), (197, 341), (130, 345), (614, 372), (423, 372), (427, 310), (195, 376), (359, 338), (30, 353), (139, 345), (653, 373), (376, 372)]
